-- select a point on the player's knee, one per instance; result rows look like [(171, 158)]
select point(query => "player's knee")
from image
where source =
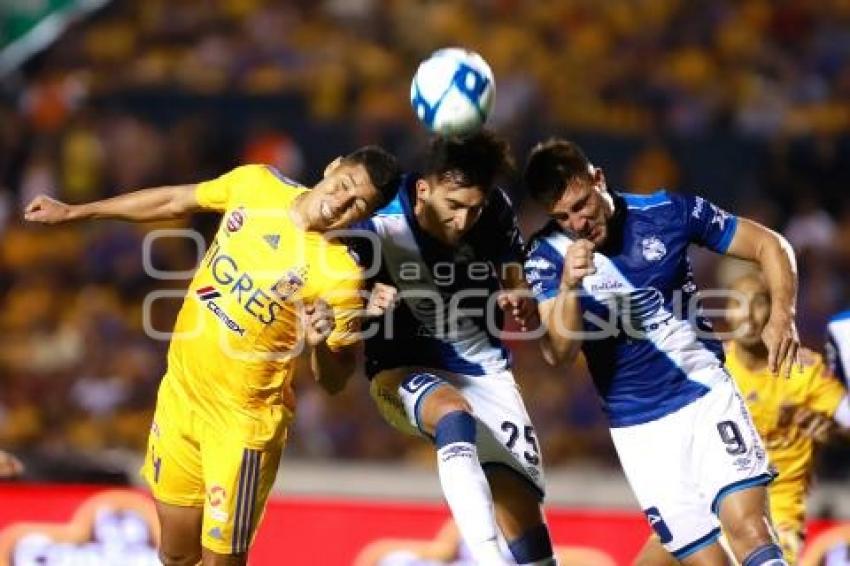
[(534, 546), (171, 558), (748, 531), (446, 401)]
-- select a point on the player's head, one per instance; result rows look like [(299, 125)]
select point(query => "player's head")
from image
[(353, 187), (459, 174), (748, 309), (559, 176)]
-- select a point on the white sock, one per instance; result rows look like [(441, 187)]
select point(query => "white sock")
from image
[(468, 494)]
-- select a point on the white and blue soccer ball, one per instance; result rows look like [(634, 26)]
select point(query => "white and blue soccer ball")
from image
[(453, 91)]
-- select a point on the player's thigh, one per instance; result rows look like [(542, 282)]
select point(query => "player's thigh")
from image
[(401, 395), (180, 540), (744, 519), (507, 442), (654, 554), (238, 480), (172, 466), (656, 460), (731, 465)]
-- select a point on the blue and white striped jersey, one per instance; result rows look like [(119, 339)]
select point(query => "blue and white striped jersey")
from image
[(838, 346), (441, 321), (648, 349)]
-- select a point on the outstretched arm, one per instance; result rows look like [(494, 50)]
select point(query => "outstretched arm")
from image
[(161, 203), (774, 255)]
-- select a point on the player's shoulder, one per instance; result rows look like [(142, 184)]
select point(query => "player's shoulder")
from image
[(840, 319), (498, 201), (400, 203), (340, 266), (647, 201), (661, 206), (393, 208), (549, 242)]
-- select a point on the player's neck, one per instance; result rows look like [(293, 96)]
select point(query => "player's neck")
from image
[(753, 356), (298, 212)]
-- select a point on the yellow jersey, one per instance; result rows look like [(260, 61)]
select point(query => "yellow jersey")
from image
[(771, 400), (237, 335)]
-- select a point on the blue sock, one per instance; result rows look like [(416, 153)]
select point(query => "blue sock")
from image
[(767, 555), (457, 426), (534, 545)]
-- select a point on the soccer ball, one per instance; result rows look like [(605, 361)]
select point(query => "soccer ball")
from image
[(453, 91)]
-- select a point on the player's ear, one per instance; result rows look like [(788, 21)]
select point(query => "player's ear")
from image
[(331, 167), (423, 188), (598, 177)]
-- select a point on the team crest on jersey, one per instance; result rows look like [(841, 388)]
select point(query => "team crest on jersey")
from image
[(236, 220), (290, 283), (216, 497), (653, 248)]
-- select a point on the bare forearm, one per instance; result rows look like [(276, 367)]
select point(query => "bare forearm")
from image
[(332, 369), (563, 320), (161, 203), (779, 266)]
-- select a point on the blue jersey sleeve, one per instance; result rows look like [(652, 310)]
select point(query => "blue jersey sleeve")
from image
[(708, 225), (834, 361), (496, 236), (543, 268)]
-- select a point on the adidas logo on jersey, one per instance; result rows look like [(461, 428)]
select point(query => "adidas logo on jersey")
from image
[(272, 240)]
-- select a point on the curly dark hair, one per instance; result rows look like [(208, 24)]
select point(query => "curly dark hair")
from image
[(474, 160)]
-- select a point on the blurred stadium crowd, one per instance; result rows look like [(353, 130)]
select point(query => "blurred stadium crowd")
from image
[(746, 101)]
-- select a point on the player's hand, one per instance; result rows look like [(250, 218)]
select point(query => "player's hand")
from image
[(522, 307), (812, 424), (578, 264), (48, 210), (10, 466), (783, 345), (383, 299), (318, 322)]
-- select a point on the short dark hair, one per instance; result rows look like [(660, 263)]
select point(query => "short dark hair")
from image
[(382, 167), (470, 161), (552, 165)]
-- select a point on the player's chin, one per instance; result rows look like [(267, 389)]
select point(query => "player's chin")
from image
[(598, 236)]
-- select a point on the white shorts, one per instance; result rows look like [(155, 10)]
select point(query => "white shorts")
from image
[(504, 433), (681, 466)]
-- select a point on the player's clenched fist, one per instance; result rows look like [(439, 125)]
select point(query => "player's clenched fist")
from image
[(318, 321), (382, 299), (578, 264), (47, 210)]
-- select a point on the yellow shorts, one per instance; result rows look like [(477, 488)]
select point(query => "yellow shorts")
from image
[(192, 463)]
